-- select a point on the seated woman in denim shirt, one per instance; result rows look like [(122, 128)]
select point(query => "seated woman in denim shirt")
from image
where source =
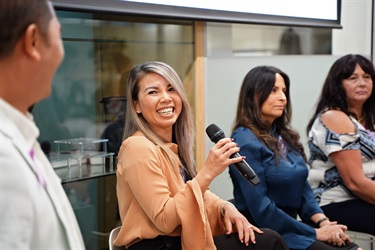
[(262, 131)]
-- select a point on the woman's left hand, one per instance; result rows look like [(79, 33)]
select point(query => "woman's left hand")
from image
[(235, 221)]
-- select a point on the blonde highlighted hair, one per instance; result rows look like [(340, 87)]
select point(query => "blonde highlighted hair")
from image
[(183, 129)]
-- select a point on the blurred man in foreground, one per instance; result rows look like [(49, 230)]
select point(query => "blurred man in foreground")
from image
[(34, 210)]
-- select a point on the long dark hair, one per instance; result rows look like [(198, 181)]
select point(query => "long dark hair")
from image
[(333, 94), (256, 87)]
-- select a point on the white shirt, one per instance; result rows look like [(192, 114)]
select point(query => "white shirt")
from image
[(34, 210)]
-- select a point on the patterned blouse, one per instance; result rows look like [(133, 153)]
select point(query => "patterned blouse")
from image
[(324, 177)]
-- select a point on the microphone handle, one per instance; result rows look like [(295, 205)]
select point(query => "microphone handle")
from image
[(246, 171)]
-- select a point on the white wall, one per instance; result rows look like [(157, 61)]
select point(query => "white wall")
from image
[(225, 73), (355, 36)]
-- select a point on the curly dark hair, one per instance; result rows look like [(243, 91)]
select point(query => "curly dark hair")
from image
[(333, 94)]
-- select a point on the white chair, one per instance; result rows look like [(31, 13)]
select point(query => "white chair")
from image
[(366, 241), (112, 237)]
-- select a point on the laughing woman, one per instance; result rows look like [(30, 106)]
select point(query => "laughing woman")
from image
[(163, 202)]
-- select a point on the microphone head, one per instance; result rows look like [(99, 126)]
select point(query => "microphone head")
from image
[(215, 133)]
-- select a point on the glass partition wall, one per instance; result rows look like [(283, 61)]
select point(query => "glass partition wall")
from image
[(241, 40), (81, 123), (90, 85)]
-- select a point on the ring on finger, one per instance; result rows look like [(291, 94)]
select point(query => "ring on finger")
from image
[(249, 226)]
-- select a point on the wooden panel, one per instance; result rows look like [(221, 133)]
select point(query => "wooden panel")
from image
[(199, 31)]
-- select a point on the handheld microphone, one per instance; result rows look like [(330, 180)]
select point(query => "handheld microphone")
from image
[(215, 134)]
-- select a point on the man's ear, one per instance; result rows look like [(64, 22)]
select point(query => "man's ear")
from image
[(31, 41)]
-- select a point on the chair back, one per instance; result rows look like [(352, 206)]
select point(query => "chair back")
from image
[(366, 241), (112, 237)]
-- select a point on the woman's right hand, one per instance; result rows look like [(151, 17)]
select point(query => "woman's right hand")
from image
[(333, 234), (217, 161), (218, 158)]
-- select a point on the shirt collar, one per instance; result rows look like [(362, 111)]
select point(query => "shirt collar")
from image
[(173, 147), (274, 131), (23, 123)]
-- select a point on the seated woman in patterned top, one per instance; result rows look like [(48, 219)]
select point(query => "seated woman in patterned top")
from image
[(342, 144)]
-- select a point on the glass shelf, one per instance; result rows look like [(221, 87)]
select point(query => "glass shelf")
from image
[(85, 171), (68, 158), (81, 143), (81, 155)]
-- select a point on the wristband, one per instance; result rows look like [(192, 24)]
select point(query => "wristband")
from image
[(320, 221), (222, 208)]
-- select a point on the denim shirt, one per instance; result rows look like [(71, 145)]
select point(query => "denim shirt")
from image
[(283, 187)]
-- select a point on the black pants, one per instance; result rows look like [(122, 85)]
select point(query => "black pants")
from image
[(159, 243), (356, 214), (269, 240), (318, 245)]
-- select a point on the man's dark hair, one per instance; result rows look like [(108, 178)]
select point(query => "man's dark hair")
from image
[(16, 16)]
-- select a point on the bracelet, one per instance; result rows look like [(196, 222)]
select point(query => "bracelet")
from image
[(222, 208), (320, 221)]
